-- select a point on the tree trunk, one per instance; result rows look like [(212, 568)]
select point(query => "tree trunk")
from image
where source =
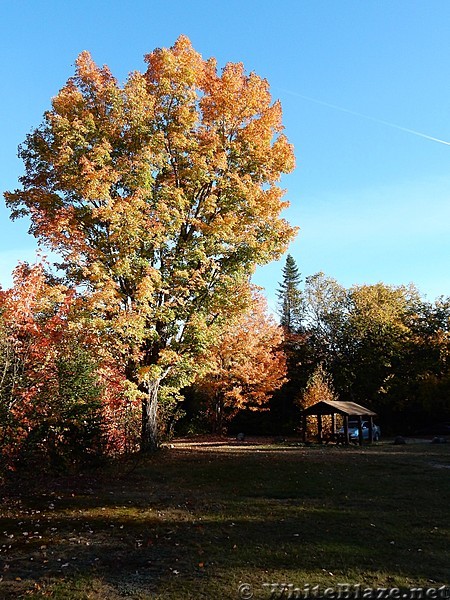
[(218, 415), (150, 433)]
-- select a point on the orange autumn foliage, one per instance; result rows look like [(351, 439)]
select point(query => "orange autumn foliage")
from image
[(245, 366), (161, 195), (63, 378)]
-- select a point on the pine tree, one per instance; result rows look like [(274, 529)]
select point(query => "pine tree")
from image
[(290, 297)]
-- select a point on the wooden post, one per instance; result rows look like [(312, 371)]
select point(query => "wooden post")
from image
[(346, 438), (319, 428), (370, 429), (360, 431), (304, 425), (333, 426)]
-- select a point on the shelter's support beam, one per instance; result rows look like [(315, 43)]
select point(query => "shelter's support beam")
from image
[(304, 428), (346, 437), (320, 428), (333, 425), (370, 429)]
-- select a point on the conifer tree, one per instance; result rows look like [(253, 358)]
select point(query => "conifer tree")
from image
[(290, 297)]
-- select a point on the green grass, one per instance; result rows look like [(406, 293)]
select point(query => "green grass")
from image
[(195, 522)]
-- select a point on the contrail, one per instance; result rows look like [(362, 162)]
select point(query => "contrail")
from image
[(358, 114)]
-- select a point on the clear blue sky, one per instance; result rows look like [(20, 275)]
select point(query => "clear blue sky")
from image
[(372, 201)]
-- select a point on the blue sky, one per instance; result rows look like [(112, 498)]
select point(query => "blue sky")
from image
[(372, 201)]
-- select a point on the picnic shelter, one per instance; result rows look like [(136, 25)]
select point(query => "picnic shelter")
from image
[(332, 408)]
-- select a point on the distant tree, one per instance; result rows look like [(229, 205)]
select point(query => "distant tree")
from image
[(326, 310), (378, 335), (416, 394), (284, 411), (246, 365), (317, 341), (319, 388), (360, 334), (290, 298)]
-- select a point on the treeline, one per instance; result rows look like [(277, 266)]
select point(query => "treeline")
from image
[(382, 346), (65, 398)]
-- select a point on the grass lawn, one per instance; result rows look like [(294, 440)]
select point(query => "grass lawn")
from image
[(196, 521)]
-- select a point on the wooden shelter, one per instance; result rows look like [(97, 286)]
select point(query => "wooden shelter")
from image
[(333, 408)]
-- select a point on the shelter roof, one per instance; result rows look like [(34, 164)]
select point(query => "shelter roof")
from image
[(330, 407)]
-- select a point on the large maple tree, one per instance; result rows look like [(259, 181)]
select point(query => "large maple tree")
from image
[(161, 196)]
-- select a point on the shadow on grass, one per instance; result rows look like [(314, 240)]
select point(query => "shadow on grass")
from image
[(188, 518)]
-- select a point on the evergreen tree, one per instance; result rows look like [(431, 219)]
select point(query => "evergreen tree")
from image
[(284, 411), (290, 297)]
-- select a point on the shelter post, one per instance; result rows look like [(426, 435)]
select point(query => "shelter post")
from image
[(370, 429), (346, 437), (333, 425), (319, 428), (304, 427)]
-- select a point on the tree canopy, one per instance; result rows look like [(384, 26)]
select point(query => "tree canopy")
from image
[(161, 196), (245, 365)]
